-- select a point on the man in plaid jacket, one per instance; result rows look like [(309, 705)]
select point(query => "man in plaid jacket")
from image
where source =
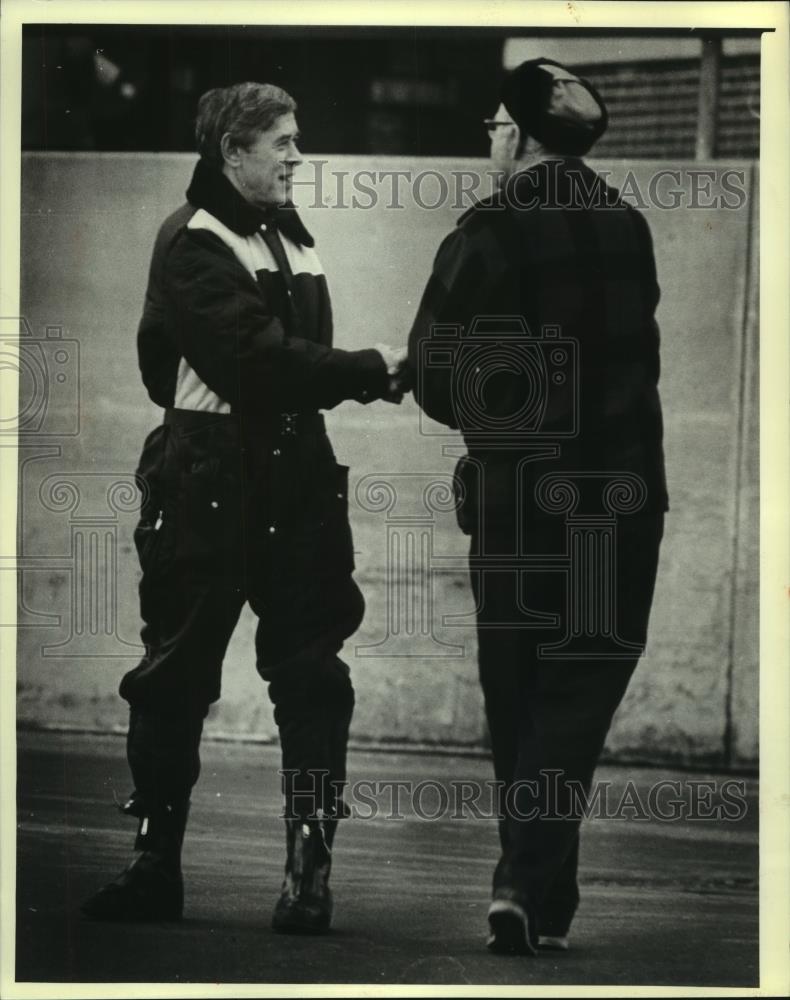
[(536, 338)]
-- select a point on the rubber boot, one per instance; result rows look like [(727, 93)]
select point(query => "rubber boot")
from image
[(152, 886), (305, 903)]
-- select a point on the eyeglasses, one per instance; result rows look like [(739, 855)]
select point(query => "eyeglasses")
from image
[(493, 123)]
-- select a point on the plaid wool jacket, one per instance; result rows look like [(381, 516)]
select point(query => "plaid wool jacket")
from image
[(537, 328)]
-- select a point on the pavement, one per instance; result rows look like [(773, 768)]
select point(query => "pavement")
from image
[(665, 902)]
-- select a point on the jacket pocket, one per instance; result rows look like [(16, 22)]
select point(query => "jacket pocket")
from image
[(151, 478), (149, 474), (207, 517), (316, 541), (466, 487), (148, 537), (210, 515), (338, 540)]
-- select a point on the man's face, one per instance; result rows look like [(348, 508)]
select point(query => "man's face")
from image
[(504, 135), (265, 170)]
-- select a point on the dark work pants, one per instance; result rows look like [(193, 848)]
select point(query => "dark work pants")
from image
[(214, 489), (549, 710)]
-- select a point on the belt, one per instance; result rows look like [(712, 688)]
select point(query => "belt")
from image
[(273, 424)]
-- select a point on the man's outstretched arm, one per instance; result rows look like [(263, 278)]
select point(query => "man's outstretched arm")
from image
[(241, 350)]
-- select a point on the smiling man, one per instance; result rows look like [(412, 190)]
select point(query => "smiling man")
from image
[(243, 501)]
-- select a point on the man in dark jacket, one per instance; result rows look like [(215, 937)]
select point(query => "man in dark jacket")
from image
[(242, 501), (536, 338)]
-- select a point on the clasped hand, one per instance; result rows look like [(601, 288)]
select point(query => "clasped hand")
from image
[(396, 360)]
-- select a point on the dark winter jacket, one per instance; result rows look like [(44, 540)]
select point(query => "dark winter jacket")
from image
[(237, 315)]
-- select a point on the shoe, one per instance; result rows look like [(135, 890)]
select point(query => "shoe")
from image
[(511, 928), (152, 886), (305, 903), (552, 942), (148, 889)]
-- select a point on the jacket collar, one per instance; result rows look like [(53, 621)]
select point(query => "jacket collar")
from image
[(520, 188), (211, 190)]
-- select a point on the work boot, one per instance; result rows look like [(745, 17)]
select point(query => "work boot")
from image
[(152, 886), (305, 903)]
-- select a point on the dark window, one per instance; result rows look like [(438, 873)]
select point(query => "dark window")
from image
[(421, 92), (653, 107)]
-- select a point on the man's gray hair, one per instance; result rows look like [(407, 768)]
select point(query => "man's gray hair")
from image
[(243, 110)]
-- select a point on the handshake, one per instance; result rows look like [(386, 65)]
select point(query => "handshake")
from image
[(400, 374)]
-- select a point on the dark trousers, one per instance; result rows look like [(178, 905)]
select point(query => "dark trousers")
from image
[(549, 710), (237, 513)]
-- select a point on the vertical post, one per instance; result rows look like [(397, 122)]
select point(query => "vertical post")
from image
[(708, 106), (740, 735)]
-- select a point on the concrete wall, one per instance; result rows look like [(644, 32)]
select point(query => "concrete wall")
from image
[(88, 222)]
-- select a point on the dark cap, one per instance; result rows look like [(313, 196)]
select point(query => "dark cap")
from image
[(562, 111)]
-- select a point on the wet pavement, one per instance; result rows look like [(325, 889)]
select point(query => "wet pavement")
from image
[(664, 902)]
